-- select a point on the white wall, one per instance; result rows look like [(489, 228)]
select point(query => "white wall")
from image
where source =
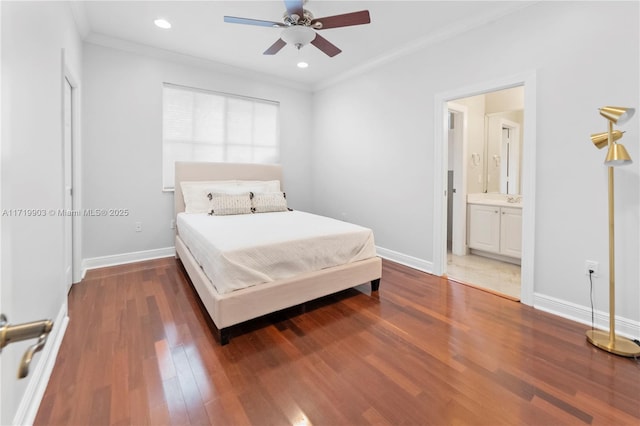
[(122, 153), (475, 142), (33, 36), (373, 147)]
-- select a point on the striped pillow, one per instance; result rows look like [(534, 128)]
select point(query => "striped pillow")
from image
[(228, 204), (269, 202)]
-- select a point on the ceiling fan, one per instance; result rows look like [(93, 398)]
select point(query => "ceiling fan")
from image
[(299, 27)]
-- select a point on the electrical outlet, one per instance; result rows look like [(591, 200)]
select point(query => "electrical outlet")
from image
[(591, 265), (138, 226), (173, 224)]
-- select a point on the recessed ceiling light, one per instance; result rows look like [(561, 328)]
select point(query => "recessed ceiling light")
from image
[(302, 64), (162, 23)]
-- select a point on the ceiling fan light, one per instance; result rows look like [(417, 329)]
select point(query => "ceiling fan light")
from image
[(298, 35)]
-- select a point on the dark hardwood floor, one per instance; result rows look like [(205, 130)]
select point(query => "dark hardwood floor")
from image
[(138, 350)]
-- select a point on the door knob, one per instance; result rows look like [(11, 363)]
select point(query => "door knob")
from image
[(29, 330)]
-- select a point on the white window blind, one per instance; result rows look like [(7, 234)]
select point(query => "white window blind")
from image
[(199, 125)]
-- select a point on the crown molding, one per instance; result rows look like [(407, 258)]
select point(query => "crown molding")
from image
[(422, 43), (79, 13), (168, 55), (82, 23)]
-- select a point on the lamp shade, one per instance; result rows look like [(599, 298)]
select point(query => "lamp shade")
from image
[(617, 156), (618, 115), (600, 140)]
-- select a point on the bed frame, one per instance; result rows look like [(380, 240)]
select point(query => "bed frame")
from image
[(233, 308)]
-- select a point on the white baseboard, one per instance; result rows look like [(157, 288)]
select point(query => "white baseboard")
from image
[(30, 403), (406, 260), (582, 314), (121, 259)]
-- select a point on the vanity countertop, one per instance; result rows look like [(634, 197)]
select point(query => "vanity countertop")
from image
[(500, 200)]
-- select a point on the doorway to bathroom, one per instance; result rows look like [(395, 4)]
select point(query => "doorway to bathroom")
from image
[(484, 200), (485, 167)]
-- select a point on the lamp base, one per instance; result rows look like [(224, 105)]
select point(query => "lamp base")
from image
[(621, 345)]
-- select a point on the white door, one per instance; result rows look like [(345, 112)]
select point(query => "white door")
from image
[(2, 237), (510, 168), (457, 163), (1, 301), (68, 178)]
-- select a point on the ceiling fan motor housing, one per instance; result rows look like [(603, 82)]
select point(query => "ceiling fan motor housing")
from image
[(294, 19)]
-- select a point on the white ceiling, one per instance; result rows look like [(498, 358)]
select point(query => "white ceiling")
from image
[(199, 31)]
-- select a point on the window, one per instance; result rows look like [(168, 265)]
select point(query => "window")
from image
[(200, 125)]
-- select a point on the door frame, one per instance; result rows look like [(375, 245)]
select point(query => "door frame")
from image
[(2, 236), (440, 155), (76, 219)]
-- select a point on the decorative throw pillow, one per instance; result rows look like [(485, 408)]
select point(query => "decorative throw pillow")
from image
[(195, 193), (269, 202), (227, 204)]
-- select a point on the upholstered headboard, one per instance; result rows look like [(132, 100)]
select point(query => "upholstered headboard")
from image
[(198, 171)]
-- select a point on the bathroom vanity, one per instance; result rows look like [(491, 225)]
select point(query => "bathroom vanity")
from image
[(495, 226)]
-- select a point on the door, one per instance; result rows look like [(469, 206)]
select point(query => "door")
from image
[(510, 170), (2, 236), (68, 178), (457, 193)]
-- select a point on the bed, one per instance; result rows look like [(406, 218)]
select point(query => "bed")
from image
[(231, 305)]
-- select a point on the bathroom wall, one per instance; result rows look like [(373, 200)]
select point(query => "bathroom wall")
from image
[(511, 102)]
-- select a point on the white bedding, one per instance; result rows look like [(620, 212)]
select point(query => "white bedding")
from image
[(240, 251)]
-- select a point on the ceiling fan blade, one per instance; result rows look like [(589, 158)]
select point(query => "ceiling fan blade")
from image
[(344, 20), (249, 21), (275, 47), (294, 7), (325, 45)]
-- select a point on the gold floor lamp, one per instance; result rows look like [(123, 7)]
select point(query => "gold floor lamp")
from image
[(617, 155)]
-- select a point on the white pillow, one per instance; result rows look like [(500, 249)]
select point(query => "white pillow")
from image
[(259, 186), (269, 202), (195, 193), (226, 204)]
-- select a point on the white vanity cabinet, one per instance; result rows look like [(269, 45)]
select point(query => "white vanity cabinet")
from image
[(484, 227), (495, 229), (511, 231)]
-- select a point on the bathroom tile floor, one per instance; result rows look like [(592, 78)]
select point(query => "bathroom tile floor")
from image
[(492, 275)]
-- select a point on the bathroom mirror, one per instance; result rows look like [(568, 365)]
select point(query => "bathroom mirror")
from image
[(493, 146)]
